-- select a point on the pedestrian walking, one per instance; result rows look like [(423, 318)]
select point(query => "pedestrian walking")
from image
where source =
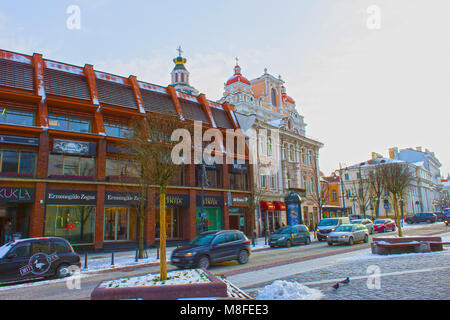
[(8, 231)]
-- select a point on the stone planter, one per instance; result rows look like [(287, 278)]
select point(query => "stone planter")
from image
[(214, 288)]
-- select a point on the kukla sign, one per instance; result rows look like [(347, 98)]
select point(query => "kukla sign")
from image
[(16, 194)]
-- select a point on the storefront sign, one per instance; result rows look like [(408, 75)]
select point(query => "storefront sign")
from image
[(174, 200), (71, 197), (209, 201), (121, 198), (19, 140), (74, 147), (239, 167), (16, 194), (240, 201)]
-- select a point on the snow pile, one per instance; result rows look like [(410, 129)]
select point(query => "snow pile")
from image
[(285, 290), (174, 277)]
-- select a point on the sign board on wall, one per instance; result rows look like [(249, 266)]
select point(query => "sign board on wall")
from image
[(79, 197), (74, 147), (16, 194)]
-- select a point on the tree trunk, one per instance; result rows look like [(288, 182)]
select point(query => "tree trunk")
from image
[(141, 230), (397, 217), (162, 234)]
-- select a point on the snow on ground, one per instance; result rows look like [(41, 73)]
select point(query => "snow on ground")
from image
[(173, 277), (286, 290)]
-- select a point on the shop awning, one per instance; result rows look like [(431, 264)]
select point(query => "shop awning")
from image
[(281, 206), (267, 205)]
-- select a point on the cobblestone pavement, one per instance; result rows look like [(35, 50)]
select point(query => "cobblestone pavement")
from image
[(404, 277)]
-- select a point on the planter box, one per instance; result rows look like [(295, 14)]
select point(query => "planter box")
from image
[(406, 245), (214, 288)]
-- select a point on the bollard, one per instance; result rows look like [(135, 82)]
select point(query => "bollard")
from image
[(136, 256), (85, 260), (112, 257), (157, 252)]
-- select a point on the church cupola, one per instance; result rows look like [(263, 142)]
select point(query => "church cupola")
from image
[(180, 75)]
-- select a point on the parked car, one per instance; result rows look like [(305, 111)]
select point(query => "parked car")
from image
[(328, 225), (212, 247), (355, 217), (384, 225), (441, 216), (447, 219), (367, 222), (32, 258), (421, 217), (349, 234), (287, 236)]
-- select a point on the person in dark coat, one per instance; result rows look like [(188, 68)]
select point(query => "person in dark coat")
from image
[(8, 231)]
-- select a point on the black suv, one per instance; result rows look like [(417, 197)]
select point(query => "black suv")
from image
[(421, 217), (211, 247), (26, 259)]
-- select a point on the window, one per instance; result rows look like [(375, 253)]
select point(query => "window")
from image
[(116, 129), (285, 156), (69, 123), (311, 161), (274, 97), (273, 182), (238, 181), (16, 116), (17, 162), (303, 156), (41, 247), (305, 183), (334, 195), (269, 146), (120, 224), (121, 167), (346, 176), (263, 181), (22, 250), (291, 152), (61, 247), (73, 223), (288, 179), (62, 165)]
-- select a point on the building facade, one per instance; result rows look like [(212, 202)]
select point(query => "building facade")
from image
[(63, 174), (263, 106)]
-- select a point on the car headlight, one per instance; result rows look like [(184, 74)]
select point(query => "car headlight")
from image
[(282, 238), (344, 236), (333, 229), (189, 254)]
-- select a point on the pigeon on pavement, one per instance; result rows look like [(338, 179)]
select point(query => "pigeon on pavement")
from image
[(347, 280), (336, 286)]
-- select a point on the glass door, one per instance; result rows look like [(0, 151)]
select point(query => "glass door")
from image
[(116, 222)]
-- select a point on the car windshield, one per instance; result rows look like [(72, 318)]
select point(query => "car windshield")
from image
[(378, 222), (344, 229), (203, 239), (328, 222), (283, 230), (4, 250)]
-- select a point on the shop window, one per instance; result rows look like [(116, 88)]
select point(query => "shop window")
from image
[(212, 178), (120, 224), (71, 166), (69, 123), (173, 223), (16, 116), (73, 223), (17, 162), (116, 129)]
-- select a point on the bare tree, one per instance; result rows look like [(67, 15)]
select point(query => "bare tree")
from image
[(361, 190), (320, 194), (376, 185), (397, 177), (151, 146)]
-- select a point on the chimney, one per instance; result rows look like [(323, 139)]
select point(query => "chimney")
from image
[(393, 152)]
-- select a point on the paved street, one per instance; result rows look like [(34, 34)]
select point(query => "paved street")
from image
[(311, 264)]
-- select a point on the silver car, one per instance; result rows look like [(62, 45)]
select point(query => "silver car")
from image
[(349, 234), (367, 222)]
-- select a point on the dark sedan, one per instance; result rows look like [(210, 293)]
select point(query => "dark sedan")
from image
[(212, 247), (421, 217), (291, 235)]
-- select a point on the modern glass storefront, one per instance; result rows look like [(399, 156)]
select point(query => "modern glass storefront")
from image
[(237, 218), (211, 218), (177, 209), (120, 224), (76, 223)]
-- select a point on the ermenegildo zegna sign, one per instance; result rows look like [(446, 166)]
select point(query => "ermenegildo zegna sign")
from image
[(16, 194), (71, 197), (121, 198)]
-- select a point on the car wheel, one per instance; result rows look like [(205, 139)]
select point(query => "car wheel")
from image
[(350, 241), (204, 262), (393, 228), (243, 257), (366, 238), (308, 240), (288, 243), (62, 271)]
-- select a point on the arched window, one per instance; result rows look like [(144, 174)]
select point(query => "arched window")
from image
[(182, 77), (274, 97), (176, 77)]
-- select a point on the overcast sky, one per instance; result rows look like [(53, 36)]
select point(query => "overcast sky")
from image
[(363, 84)]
